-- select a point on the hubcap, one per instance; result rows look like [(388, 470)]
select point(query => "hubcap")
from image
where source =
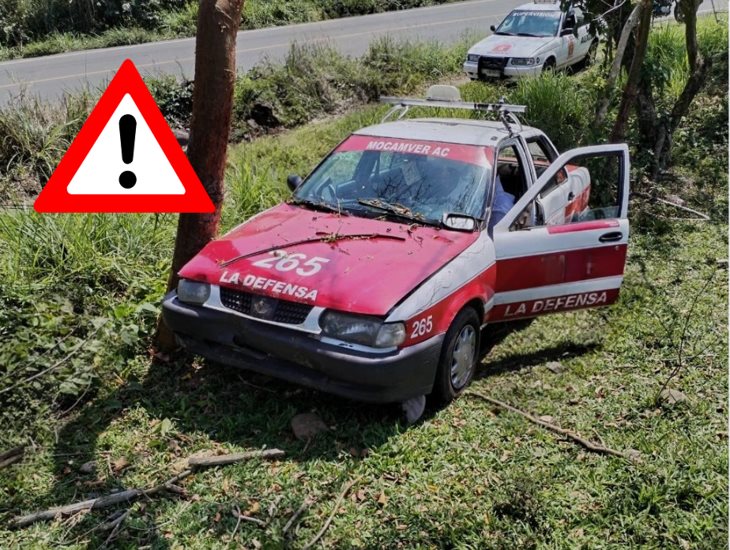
[(462, 358)]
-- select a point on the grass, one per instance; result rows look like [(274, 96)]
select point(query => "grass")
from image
[(80, 293), (467, 476)]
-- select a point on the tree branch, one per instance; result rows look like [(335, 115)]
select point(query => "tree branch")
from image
[(587, 444), (133, 494)]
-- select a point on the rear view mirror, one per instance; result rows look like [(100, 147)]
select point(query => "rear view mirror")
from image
[(293, 181), (492, 28), (459, 222)]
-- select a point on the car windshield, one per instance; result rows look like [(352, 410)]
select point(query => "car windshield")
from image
[(530, 23), (417, 181)]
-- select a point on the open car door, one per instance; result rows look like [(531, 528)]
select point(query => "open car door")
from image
[(572, 254)]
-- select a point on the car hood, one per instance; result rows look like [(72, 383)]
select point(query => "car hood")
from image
[(510, 46), (366, 265)]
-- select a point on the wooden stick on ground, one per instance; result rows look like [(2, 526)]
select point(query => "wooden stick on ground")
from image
[(236, 511), (11, 456), (224, 460), (133, 494), (326, 525), (590, 445), (295, 516)]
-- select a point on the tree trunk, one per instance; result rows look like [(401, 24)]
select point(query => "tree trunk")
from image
[(623, 41), (658, 132), (215, 74), (630, 91)]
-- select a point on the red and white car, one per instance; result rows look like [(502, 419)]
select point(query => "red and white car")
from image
[(379, 277)]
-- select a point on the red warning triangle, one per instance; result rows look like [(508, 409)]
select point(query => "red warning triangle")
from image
[(124, 159)]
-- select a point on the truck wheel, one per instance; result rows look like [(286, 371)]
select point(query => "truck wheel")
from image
[(548, 66), (459, 357)]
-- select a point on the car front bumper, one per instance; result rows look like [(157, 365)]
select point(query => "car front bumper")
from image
[(511, 72), (302, 358)]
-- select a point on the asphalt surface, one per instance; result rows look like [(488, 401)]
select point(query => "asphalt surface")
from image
[(49, 77)]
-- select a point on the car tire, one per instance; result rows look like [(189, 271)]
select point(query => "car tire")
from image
[(549, 65), (459, 357)]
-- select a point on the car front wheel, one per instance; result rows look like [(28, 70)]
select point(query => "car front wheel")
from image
[(459, 356), (549, 65)]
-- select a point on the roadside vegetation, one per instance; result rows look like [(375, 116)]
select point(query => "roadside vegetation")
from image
[(98, 412), (30, 28)]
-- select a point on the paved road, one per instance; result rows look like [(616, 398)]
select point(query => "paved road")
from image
[(48, 77)]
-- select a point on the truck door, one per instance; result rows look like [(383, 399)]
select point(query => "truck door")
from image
[(548, 262)]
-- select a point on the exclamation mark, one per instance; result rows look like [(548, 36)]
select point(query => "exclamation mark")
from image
[(127, 131)]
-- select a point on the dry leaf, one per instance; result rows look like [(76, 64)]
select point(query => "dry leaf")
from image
[(217, 517), (383, 499), (119, 464), (253, 508)]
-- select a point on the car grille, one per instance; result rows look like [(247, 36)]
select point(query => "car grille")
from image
[(492, 63), (264, 307)]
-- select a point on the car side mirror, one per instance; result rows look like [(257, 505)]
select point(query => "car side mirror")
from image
[(567, 31), (492, 28), (293, 181), (459, 222)]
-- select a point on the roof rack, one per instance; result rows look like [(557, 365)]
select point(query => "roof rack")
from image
[(448, 97)]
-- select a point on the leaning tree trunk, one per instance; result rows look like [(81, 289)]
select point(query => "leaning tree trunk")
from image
[(699, 67), (623, 41), (632, 82), (215, 74)]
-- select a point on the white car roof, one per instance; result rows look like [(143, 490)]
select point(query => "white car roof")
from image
[(447, 130), (539, 6)]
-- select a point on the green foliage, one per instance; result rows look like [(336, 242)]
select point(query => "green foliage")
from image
[(174, 98), (33, 136)]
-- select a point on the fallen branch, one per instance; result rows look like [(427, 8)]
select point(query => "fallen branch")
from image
[(295, 516), (701, 216), (96, 503), (224, 460), (587, 444), (132, 494), (236, 511), (11, 456), (326, 525)]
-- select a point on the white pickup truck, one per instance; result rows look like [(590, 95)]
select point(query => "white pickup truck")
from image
[(533, 38)]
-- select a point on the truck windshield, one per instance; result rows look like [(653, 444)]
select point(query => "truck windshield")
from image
[(530, 23), (418, 180)]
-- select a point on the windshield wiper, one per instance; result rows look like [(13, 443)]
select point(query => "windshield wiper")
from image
[(396, 210), (318, 205), (503, 33), (528, 34)]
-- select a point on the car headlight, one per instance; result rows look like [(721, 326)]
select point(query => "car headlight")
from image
[(525, 61), (472, 57), (362, 329), (192, 292)]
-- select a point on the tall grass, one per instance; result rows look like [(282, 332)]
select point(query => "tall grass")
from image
[(33, 137)]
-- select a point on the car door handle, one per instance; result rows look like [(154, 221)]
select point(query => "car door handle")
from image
[(571, 196), (610, 237)]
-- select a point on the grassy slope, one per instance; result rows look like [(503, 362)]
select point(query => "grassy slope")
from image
[(468, 474)]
